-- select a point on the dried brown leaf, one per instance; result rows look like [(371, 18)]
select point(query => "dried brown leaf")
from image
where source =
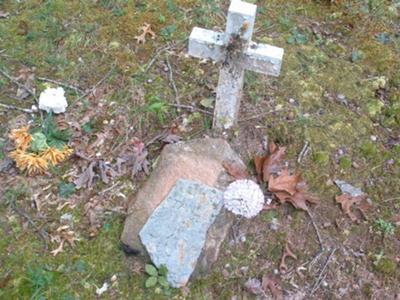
[(235, 169), (272, 163), (87, 177), (287, 252), (283, 183), (146, 28), (272, 283), (298, 200), (259, 162), (347, 202), (59, 249)]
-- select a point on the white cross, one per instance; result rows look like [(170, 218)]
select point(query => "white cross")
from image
[(237, 53)]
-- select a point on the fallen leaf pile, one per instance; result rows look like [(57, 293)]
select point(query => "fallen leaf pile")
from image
[(133, 159), (146, 28), (285, 187), (34, 163)]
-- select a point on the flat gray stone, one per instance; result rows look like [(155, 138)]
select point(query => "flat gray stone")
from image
[(347, 188), (176, 232)]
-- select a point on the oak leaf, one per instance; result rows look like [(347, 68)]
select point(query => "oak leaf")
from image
[(272, 163), (283, 183), (146, 28), (347, 202)]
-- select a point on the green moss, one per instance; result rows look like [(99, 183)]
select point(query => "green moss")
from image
[(345, 162), (386, 266), (321, 158), (369, 150)]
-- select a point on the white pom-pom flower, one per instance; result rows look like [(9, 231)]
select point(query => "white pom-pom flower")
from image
[(244, 198), (53, 100)]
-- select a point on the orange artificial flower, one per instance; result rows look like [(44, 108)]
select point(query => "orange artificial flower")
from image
[(55, 156), (29, 162), (21, 137)]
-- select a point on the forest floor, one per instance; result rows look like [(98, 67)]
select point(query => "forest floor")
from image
[(338, 96)]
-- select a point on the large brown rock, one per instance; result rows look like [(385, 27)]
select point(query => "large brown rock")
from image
[(198, 160)]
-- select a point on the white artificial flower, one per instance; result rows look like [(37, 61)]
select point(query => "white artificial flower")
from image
[(244, 198), (53, 100)]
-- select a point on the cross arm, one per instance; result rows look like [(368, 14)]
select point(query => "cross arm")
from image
[(263, 58), (206, 44)]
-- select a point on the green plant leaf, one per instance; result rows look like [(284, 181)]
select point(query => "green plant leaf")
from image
[(65, 190), (150, 282), (151, 270), (39, 143), (162, 270), (55, 137), (163, 281)]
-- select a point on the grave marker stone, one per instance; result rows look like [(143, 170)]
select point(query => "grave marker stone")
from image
[(237, 53)]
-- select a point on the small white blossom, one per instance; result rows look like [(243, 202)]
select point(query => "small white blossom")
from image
[(53, 100), (244, 197)]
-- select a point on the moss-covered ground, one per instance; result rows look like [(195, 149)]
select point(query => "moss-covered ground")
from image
[(338, 92)]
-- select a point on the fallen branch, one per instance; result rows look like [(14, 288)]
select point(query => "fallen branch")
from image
[(2, 72), (153, 60), (321, 244), (304, 151), (171, 79), (7, 106), (191, 108), (320, 279), (68, 86)]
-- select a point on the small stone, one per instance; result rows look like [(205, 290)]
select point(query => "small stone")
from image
[(355, 165), (348, 188), (66, 218), (373, 138)]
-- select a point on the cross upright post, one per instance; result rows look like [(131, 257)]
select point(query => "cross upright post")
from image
[(237, 53)]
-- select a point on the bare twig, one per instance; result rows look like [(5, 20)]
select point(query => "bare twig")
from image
[(321, 244), (172, 81), (153, 60), (2, 72), (259, 115), (7, 106), (191, 108), (66, 85), (320, 278), (95, 86), (304, 151)]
